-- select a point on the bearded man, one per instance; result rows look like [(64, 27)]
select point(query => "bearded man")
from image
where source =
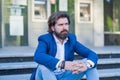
[(55, 53)]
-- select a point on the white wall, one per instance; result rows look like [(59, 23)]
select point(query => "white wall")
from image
[(35, 28), (98, 23)]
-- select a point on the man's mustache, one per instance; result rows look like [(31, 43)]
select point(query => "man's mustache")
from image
[(64, 31)]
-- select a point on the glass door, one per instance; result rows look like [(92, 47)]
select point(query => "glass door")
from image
[(112, 22), (0, 23), (15, 22)]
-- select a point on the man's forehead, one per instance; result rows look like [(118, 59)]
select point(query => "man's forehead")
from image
[(62, 20)]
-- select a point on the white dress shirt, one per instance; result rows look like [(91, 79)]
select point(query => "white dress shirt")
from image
[(61, 52)]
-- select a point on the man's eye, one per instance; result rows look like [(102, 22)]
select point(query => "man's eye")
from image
[(66, 24), (60, 24)]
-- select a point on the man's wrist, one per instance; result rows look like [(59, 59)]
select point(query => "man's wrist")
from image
[(63, 64), (88, 65), (92, 64)]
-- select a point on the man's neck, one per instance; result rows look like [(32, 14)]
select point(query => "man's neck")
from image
[(61, 40)]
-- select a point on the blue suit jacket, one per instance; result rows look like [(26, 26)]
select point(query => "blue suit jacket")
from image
[(47, 48)]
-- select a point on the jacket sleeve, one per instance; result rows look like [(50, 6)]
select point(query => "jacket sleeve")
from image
[(41, 55), (85, 52)]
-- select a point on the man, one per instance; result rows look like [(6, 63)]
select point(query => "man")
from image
[(55, 53)]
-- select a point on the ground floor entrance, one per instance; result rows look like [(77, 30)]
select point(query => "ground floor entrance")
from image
[(94, 22)]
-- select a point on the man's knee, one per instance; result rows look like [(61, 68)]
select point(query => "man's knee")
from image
[(39, 70), (42, 71), (42, 67)]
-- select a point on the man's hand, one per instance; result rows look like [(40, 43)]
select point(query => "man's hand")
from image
[(75, 66)]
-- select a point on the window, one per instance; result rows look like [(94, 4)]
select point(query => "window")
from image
[(85, 11), (15, 22), (112, 22), (40, 10)]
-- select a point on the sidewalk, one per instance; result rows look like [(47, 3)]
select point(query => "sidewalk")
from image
[(106, 49), (16, 51), (28, 51)]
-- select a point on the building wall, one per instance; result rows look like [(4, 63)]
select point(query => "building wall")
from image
[(83, 30), (89, 34), (98, 23), (36, 28)]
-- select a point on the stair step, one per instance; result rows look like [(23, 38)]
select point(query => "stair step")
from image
[(17, 65), (20, 65), (106, 73), (30, 58), (109, 61), (102, 56), (16, 77), (109, 72), (17, 51), (16, 59), (110, 55), (27, 67), (17, 68)]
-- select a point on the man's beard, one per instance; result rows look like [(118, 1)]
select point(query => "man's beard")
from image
[(62, 35)]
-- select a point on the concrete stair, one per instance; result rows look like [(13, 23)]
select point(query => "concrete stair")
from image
[(107, 73), (20, 66)]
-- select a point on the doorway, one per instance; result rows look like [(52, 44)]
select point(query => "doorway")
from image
[(15, 22)]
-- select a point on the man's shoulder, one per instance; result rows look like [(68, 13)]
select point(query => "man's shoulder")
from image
[(46, 36), (72, 36)]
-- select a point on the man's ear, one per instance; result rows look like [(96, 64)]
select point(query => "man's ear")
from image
[(52, 28)]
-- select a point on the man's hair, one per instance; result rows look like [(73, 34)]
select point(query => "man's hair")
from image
[(54, 17)]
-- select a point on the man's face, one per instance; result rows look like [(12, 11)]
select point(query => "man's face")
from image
[(61, 28)]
